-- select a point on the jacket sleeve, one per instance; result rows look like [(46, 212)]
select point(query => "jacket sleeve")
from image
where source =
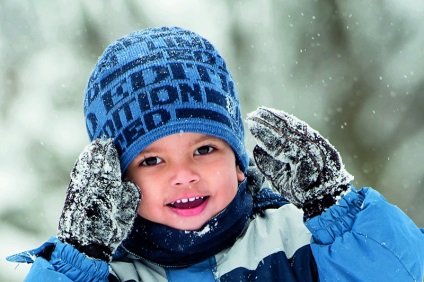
[(56, 261), (365, 238)]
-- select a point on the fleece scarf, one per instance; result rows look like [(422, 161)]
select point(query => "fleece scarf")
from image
[(173, 248)]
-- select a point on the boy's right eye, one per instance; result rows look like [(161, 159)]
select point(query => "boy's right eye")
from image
[(151, 161)]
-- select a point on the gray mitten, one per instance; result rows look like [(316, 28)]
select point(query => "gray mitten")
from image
[(301, 164), (100, 208)]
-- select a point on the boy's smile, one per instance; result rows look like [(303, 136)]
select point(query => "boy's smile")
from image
[(185, 179), (188, 206)]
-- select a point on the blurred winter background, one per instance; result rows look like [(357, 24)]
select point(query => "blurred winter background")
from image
[(352, 69)]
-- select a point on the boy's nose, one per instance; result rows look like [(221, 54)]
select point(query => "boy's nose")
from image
[(184, 175)]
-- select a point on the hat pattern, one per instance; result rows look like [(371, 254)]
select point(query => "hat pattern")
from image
[(161, 81)]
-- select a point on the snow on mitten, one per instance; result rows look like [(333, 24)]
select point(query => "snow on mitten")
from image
[(301, 164), (100, 208)]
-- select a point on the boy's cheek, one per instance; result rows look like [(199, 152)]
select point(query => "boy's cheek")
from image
[(142, 210), (139, 206)]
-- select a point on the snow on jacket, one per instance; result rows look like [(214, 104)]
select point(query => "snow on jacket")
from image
[(364, 238)]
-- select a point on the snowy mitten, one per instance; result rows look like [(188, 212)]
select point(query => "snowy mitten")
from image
[(301, 164), (100, 208)]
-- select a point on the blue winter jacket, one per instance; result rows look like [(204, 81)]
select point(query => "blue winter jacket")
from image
[(363, 238)]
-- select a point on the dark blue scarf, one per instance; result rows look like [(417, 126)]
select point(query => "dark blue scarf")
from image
[(173, 248)]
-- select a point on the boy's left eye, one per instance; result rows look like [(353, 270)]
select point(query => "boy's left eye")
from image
[(151, 161), (204, 150)]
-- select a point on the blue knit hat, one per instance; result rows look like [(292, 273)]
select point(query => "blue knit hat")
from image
[(161, 81)]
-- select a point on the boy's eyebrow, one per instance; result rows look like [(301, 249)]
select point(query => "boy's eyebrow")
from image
[(204, 138), (153, 148)]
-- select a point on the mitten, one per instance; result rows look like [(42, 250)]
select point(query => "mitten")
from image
[(301, 164), (255, 178), (100, 208)]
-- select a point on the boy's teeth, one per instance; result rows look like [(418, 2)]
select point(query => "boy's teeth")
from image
[(188, 203), (186, 200)]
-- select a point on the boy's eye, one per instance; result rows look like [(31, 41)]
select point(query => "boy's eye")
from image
[(151, 161), (204, 150)]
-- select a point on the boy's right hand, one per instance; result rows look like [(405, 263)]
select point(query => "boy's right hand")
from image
[(100, 208), (299, 162)]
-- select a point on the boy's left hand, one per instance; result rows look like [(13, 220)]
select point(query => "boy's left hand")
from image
[(100, 207), (301, 164)]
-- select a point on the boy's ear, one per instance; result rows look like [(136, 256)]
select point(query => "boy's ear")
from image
[(240, 174)]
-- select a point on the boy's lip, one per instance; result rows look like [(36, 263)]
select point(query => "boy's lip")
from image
[(189, 206)]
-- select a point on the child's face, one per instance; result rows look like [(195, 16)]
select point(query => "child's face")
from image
[(185, 179)]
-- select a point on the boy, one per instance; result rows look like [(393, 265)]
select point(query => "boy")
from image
[(165, 192)]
